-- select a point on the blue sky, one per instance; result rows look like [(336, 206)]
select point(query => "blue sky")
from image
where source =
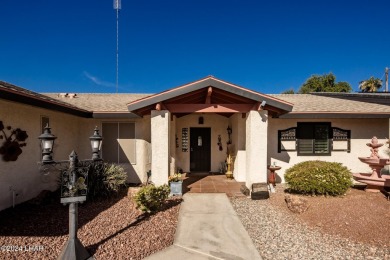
[(268, 46)]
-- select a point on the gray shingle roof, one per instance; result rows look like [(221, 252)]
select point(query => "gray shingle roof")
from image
[(302, 103), (82, 104), (101, 102), (317, 103)]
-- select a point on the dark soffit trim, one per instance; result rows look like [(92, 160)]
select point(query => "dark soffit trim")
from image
[(117, 115)]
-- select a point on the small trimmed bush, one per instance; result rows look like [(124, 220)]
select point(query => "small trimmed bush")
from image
[(319, 177), (105, 179), (150, 198)]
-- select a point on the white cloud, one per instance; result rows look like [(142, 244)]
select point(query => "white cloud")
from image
[(99, 82)]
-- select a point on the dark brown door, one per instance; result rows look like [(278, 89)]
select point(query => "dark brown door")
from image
[(200, 149)]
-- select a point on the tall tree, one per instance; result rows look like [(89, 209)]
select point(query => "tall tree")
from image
[(289, 91), (324, 83), (370, 85)]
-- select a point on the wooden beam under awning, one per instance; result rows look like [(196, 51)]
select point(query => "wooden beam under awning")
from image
[(209, 108), (208, 97)]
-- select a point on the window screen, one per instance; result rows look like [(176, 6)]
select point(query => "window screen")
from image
[(44, 122), (119, 142)]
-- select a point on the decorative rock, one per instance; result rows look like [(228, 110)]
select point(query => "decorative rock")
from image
[(259, 191), (132, 191), (245, 190), (296, 204)]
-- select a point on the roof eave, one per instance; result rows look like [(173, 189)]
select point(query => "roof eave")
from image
[(38, 102), (116, 115)]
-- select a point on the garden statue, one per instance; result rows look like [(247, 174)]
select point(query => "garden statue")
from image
[(229, 161)]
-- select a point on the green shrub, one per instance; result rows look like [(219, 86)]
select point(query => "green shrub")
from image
[(105, 179), (150, 198), (318, 177)]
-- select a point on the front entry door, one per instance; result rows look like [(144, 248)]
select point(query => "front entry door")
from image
[(200, 149)]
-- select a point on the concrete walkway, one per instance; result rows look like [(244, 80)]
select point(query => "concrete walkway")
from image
[(208, 228)]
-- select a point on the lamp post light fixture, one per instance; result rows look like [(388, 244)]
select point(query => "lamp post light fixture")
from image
[(74, 187)]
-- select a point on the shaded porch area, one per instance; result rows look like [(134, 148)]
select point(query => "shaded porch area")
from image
[(211, 183)]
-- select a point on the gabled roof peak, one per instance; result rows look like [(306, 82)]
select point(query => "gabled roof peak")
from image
[(234, 91)]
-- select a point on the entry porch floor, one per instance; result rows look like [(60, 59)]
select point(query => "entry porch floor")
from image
[(211, 183)]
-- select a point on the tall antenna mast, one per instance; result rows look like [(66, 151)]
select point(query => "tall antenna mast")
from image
[(117, 7), (387, 78)]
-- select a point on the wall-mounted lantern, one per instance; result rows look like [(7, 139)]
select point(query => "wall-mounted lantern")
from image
[(96, 144), (201, 120), (229, 131), (47, 143)]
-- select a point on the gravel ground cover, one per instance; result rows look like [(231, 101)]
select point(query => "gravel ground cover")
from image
[(109, 229), (319, 233)]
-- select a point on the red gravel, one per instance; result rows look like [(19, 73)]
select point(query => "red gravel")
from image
[(109, 229), (359, 216)]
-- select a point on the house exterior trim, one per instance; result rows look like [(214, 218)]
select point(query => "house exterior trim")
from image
[(108, 115), (327, 115)]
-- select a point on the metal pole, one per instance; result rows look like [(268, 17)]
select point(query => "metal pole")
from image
[(73, 214), (117, 49), (387, 78), (73, 249)]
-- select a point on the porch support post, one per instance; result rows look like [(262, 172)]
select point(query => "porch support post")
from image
[(160, 135), (256, 147), (172, 157)]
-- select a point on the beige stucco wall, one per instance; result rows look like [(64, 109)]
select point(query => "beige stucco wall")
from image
[(362, 131), (25, 176), (256, 147), (160, 124), (238, 123), (218, 125)]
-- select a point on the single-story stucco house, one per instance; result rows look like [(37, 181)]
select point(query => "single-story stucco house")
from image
[(186, 128)]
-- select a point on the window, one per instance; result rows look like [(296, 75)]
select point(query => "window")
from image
[(44, 122), (313, 138), (119, 142)]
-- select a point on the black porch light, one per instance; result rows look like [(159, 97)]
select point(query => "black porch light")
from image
[(96, 144), (47, 143), (229, 131)]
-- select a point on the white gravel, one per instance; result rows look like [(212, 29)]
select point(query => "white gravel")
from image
[(277, 235)]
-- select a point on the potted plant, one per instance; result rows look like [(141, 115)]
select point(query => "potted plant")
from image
[(176, 184)]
